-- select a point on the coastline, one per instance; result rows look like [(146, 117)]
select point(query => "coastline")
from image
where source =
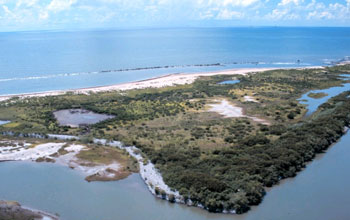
[(155, 82), (12, 209), (165, 196)]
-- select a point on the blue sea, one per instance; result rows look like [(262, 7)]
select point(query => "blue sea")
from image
[(56, 60)]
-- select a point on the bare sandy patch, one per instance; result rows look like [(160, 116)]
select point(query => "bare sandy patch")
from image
[(50, 152), (248, 98), (229, 110), (226, 109)]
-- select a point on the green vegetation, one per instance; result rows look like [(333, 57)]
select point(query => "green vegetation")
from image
[(222, 163), (105, 155), (317, 95)]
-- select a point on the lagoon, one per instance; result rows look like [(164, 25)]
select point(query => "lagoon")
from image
[(229, 82), (314, 103), (78, 117)]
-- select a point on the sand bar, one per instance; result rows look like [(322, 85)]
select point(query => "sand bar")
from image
[(157, 82)]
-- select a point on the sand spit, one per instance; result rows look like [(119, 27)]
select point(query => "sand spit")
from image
[(153, 178), (228, 110), (157, 82), (14, 210), (148, 172), (49, 152)]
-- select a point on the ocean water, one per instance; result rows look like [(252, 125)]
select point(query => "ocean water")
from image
[(53, 60)]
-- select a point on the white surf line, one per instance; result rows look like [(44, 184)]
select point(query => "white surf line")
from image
[(155, 82), (45, 215)]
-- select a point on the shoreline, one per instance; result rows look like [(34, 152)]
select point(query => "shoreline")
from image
[(175, 197), (13, 209), (154, 82)]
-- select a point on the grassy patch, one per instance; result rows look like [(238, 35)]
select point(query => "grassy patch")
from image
[(317, 95), (107, 155)]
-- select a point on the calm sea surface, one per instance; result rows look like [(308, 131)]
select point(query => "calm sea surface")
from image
[(41, 61)]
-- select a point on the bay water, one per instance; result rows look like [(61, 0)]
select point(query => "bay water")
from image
[(319, 192)]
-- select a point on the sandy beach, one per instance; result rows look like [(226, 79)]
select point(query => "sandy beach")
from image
[(157, 82)]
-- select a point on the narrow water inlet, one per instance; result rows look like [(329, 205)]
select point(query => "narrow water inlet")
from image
[(4, 122), (314, 103)]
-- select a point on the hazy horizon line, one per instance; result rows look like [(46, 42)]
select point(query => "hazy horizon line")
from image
[(164, 27)]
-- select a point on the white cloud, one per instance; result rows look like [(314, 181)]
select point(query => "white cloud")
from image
[(3, 2), (334, 11), (60, 5), (287, 2), (282, 14), (206, 15), (43, 15), (26, 3), (320, 15), (243, 3), (225, 3), (228, 15), (148, 12), (7, 10)]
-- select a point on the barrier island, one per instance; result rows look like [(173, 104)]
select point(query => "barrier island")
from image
[(217, 145)]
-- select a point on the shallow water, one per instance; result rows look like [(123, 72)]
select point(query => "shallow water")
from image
[(76, 117), (314, 103), (318, 192), (4, 122), (229, 82)]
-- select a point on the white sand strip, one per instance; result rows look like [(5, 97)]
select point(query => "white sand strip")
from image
[(148, 172), (25, 153), (157, 82), (29, 153)]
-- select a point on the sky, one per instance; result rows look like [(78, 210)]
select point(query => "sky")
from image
[(20, 15)]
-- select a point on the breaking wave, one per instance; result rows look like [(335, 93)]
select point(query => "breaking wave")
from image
[(148, 68)]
